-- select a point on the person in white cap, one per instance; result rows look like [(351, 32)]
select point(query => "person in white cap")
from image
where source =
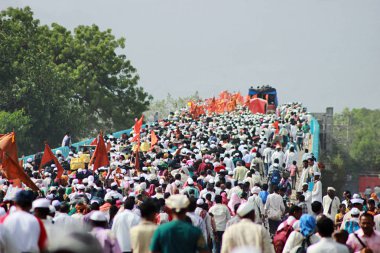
[(41, 210), (113, 193), (107, 240), (258, 203), (246, 232), (190, 189), (316, 194), (167, 237), (123, 223), (330, 203)]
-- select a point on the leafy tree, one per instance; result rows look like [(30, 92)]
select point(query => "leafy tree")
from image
[(65, 81)]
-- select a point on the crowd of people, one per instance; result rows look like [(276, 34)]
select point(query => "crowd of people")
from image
[(233, 182)]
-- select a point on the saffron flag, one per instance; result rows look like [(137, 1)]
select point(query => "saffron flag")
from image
[(9, 161), (137, 128), (94, 142), (48, 157), (153, 139), (100, 156)]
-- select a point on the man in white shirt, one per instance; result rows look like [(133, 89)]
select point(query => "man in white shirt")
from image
[(122, 224), (304, 175), (22, 231), (325, 228), (316, 194), (267, 155), (330, 203), (307, 194), (279, 154), (274, 209), (221, 216), (195, 218), (246, 233), (113, 193)]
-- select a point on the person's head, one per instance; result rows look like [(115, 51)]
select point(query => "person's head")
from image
[(310, 161), (295, 211), (265, 187), (366, 223), (317, 176), (316, 207), (98, 219), (305, 163), (129, 203), (342, 208), (355, 212), (24, 200), (218, 199), (325, 226), (246, 211), (41, 207), (341, 236), (371, 205), (179, 205), (301, 198), (193, 204), (149, 208), (275, 189), (347, 195), (331, 192), (307, 224)]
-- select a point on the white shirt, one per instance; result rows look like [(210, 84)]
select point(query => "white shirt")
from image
[(275, 204), (65, 222), (22, 232), (316, 194), (295, 239), (221, 216), (327, 245), (334, 206), (122, 224), (307, 195), (113, 194), (377, 222), (280, 156), (198, 222), (259, 207)]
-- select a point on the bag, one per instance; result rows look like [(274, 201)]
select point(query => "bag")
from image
[(281, 236), (303, 248), (276, 177), (351, 226)]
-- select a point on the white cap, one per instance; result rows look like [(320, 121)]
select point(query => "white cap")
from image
[(330, 189), (245, 208), (41, 203), (355, 211), (255, 190), (200, 202), (356, 196), (56, 203), (98, 216), (190, 181), (80, 187), (275, 165), (357, 201), (177, 202), (317, 173), (113, 184)]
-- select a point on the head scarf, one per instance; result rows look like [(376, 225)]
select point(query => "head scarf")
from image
[(307, 224), (233, 201), (224, 198)]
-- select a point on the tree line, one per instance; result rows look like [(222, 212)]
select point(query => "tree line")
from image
[(53, 80)]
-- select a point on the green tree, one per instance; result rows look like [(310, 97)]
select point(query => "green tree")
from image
[(65, 81)]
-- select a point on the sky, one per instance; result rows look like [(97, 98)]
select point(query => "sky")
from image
[(319, 52)]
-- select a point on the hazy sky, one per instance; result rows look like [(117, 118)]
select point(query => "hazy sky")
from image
[(320, 52)]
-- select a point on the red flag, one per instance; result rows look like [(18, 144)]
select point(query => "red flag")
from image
[(100, 156), (9, 161), (153, 139), (48, 157), (137, 128), (94, 142)]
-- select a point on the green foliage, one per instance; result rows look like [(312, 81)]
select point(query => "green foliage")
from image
[(16, 121), (65, 81), (169, 104)]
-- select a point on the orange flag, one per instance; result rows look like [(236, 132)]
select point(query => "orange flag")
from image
[(100, 156), (137, 128), (48, 157), (94, 142), (9, 161), (153, 139)]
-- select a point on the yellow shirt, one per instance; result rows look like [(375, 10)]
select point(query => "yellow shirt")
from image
[(141, 235)]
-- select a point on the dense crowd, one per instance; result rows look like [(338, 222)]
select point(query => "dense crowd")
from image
[(233, 182)]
